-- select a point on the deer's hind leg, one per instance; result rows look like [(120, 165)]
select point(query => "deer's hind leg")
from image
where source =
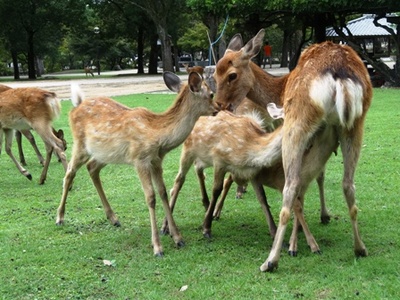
[(94, 168), (9, 133), (350, 143)]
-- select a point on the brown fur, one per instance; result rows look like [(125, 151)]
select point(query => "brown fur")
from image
[(88, 70), (239, 80), (31, 108), (106, 132), (312, 96)]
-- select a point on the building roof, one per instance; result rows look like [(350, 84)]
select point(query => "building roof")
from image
[(364, 26)]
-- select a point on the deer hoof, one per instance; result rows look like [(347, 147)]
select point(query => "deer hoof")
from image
[(180, 244), (268, 267), (164, 231), (159, 254), (207, 235), (317, 252), (292, 253), (325, 219), (361, 252), (117, 224), (29, 176)]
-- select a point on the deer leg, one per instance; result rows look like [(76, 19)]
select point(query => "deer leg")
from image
[(299, 220), (74, 165), (350, 144), (49, 152), (8, 138), (220, 204), (325, 217), (185, 165), (240, 190), (262, 198), (147, 186), (292, 152), (18, 138), (156, 174), (219, 175), (202, 182), (94, 169), (29, 136)]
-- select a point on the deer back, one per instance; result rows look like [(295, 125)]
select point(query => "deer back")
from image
[(21, 108), (329, 83), (114, 133)]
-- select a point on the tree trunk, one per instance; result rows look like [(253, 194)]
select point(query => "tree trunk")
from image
[(320, 28), (166, 52), (153, 59), (140, 50), (285, 49), (14, 57), (31, 57)]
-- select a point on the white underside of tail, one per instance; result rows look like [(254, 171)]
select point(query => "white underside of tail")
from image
[(77, 94), (341, 99)]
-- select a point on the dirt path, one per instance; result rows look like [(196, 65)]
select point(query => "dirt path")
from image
[(100, 86), (125, 84)]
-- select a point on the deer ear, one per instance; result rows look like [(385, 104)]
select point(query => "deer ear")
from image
[(60, 134), (236, 43), (253, 47), (275, 112), (172, 81), (195, 81)]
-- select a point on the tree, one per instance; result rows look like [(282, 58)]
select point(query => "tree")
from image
[(159, 11), (35, 26)]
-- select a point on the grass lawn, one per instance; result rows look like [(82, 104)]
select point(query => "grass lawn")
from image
[(40, 260)]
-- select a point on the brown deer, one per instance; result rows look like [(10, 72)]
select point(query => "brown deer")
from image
[(198, 69), (31, 108), (239, 145), (329, 87), (88, 70), (107, 132), (29, 136)]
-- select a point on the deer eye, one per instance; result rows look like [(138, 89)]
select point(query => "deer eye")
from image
[(232, 77)]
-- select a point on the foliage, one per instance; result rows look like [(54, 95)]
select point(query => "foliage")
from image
[(87, 258)]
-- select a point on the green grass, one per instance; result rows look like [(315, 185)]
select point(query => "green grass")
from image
[(40, 260)]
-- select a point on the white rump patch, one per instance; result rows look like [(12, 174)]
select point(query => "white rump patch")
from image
[(340, 99)]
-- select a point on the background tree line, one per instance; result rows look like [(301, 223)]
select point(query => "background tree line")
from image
[(40, 36)]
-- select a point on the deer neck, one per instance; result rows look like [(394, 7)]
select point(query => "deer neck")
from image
[(266, 88), (178, 121)]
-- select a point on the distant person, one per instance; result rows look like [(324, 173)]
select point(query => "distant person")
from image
[(267, 54)]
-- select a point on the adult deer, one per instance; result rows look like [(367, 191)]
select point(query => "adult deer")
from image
[(29, 136), (106, 132), (88, 70), (330, 86), (255, 85), (24, 109)]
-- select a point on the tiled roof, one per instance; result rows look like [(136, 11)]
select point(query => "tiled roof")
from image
[(364, 26)]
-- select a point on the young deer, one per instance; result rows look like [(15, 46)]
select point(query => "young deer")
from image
[(24, 109), (106, 132), (237, 144), (330, 86)]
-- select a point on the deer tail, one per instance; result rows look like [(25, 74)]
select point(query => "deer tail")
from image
[(77, 94)]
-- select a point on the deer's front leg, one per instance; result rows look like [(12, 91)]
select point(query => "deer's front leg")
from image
[(216, 192), (156, 174)]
